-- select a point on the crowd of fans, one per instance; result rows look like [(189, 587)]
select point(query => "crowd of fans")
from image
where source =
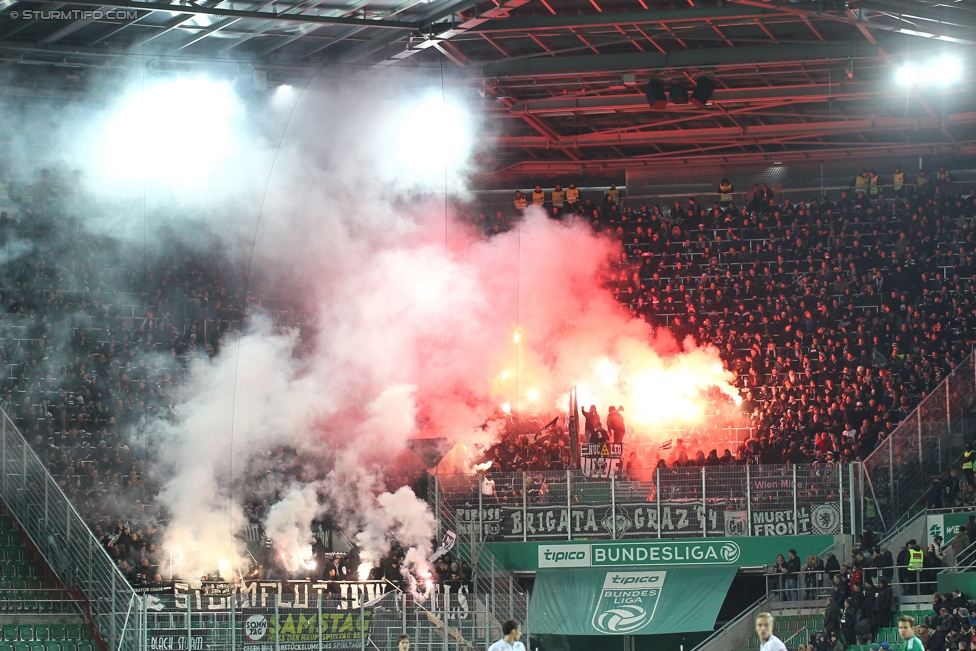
[(837, 317), (862, 595)]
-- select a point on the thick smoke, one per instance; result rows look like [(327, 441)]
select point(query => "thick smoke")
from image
[(419, 327)]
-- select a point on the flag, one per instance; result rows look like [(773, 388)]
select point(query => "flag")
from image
[(447, 544), (573, 424), (547, 429), (430, 450)]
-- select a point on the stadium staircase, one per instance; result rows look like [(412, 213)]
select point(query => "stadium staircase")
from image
[(36, 613), (59, 589), (497, 594)]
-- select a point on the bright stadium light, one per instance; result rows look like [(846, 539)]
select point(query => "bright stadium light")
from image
[(907, 74), (944, 71), (175, 133), (433, 135), (951, 69)]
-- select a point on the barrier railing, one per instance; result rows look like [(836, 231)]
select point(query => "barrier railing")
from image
[(663, 503), (62, 537), (495, 591), (303, 620), (921, 449)]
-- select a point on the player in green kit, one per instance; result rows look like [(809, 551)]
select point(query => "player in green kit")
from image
[(906, 629)]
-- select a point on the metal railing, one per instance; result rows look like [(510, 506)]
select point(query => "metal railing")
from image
[(662, 502), (62, 538), (495, 592), (448, 620), (921, 449), (816, 586)]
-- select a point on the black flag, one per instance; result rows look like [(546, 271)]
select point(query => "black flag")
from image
[(431, 450)]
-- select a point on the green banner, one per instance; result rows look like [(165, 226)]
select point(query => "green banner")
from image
[(658, 552), (634, 601)]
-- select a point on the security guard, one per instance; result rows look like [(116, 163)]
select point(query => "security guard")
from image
[(916, 561), (873, 184), (898, 181), (558, 197), (725, 189), (614, 193), (538, 197), (572, 197), (520, 201), (968, 462), (861, 182)]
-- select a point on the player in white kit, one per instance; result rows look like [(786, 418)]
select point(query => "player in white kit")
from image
[(512, 633), (764, 628)]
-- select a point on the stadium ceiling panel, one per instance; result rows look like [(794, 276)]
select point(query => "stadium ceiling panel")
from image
[(561, 81)]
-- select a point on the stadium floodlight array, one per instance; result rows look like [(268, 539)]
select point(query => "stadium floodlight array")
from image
[(943, 71)]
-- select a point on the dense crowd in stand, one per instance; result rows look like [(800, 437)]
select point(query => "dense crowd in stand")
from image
[(837, 317)]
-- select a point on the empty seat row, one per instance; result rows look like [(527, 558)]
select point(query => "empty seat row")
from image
[(84, 645), (44, 632)]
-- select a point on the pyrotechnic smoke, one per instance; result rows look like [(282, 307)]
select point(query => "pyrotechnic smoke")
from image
[(288, 525), (413, 333)]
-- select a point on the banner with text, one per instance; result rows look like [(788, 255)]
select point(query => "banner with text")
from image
[(644, 519)]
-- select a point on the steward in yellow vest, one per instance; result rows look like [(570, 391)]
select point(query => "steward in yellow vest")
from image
[(558, 197), (572, 195), (520, 201), (614, 193), (898, 181), (538, 197), (916, 559), (726, 189)]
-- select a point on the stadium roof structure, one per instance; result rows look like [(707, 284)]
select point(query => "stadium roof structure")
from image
[(561, 80)]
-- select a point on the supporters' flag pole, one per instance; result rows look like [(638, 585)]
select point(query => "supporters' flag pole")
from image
[(547, 429), (666, 445), (573, 424)]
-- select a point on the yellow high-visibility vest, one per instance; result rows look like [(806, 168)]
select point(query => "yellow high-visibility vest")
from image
[(898, 180), (614, 194), (557, 198), (726, 190), (538, 198), (572, 195), (874, 186), (915, 560), (862, 182), (968, 459), (520, 202)]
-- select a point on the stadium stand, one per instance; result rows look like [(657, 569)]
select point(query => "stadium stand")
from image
[(837, 317)]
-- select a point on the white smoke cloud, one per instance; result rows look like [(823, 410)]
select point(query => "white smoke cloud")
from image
[(412, 321)]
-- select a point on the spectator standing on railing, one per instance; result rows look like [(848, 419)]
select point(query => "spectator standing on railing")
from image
[(615, 423)]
